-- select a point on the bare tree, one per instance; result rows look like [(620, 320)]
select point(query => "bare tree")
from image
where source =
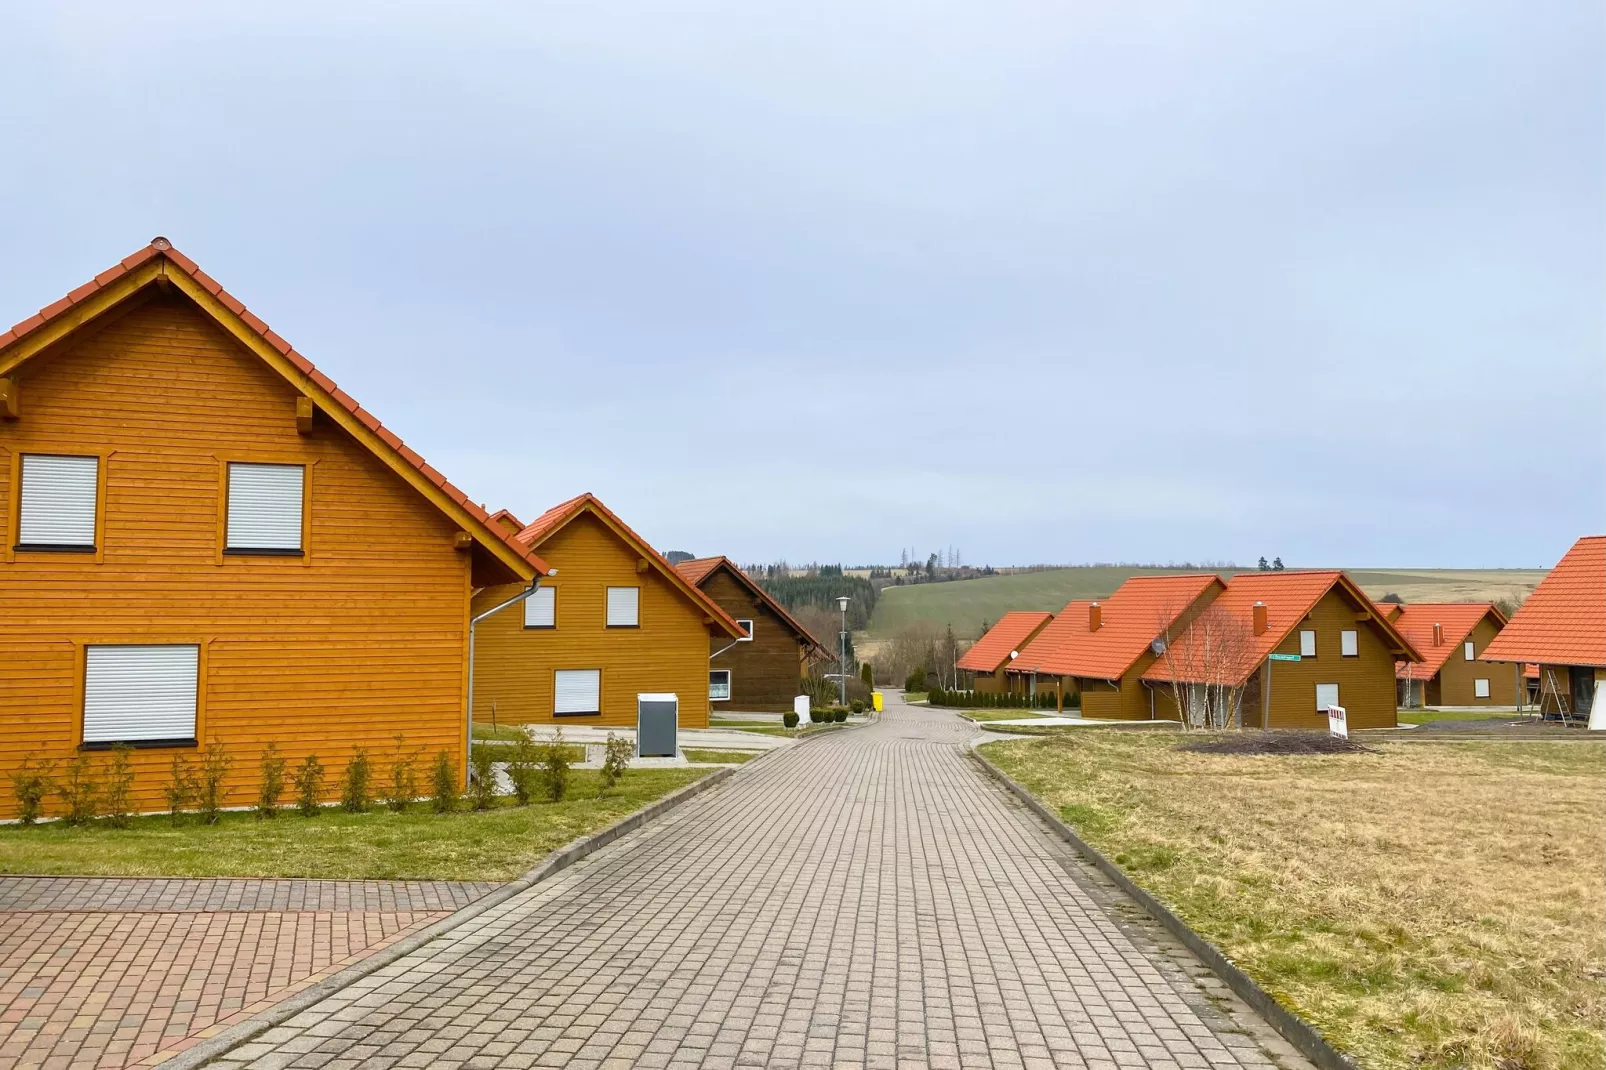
[(1208, 664)]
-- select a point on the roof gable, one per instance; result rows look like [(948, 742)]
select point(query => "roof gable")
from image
[(700, 570), (1564, 621), (561, 515), (1140, 611), (1415, 621), (992, 651), (159, 264)]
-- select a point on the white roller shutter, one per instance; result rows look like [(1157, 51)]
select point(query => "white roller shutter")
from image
[(624, 607), (577, 691), (265, 506), (1349, 644), (541, 608), (58, 500), (140, 692), (1326, 695)]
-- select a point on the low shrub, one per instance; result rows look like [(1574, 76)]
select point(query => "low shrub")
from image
[(354, 793), (616, 759), (523, 768), (403, 787), (555, 767), (30, 784), (816, 715), (482, 778), (181, 787), (79, 791), (789, 718), (915, 681), (211, 791), (270, 782), (120, 786), (857, 705), (308, 783), (840, 714), (443, 785)]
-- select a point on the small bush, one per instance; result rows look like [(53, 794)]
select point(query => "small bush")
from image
[(789, 718), (354, 791), (857, 705), (916, 680), (79, 791), (309, 786), (616, 759), (211, 792), (523, 768), (555, 767), (443, 785), (842, 714), (120, 786), (270, 785), (403, 787), (816, 715), (180, 788), (30, 784), (482, 781)]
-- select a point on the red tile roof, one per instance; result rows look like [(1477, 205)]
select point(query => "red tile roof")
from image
[(991, 652), (1140, 611), (1564, 621), (554, 519), (1289, 596), (1456, 621), (323, 389), (699, 569)]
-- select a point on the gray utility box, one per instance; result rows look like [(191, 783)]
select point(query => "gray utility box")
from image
[(657, 726)]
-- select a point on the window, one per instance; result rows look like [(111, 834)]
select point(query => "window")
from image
[(140, 694), (1326, 695), (1470, 651), (747, 625), (576, 692), (719, 685), (1349, 643), (58, 502), (541, 608), (624, 607), (1307, 644), (1480, 688), (264, 509)]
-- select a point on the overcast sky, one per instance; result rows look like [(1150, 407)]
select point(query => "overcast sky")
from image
[(1046, 282)]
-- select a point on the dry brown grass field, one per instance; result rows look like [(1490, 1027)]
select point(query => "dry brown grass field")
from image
[(1435, 905)]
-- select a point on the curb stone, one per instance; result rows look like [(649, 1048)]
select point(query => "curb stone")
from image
[(216, 1046), (1298, 1032)]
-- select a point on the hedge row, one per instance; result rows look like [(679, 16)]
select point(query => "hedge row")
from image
[(983, 700)]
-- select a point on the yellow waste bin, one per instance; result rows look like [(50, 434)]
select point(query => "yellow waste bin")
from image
[(875, 700)]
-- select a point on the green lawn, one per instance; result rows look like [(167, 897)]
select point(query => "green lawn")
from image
[(511, 732), (504, 750), (724, 757), (1428, 905), (493, 845), (1430, 716)]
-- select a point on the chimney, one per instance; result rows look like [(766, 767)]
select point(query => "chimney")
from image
[(1260, 618), (1438, 634), (1095, 617)]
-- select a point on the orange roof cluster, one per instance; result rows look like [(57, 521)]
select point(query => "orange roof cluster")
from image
[(698, 569), (1289, 596), (1564, 621), (160, 249), (991, 652), (1141, 610), (1456, 621)]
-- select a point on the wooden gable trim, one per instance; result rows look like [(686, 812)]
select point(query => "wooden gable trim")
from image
[(70, 320)]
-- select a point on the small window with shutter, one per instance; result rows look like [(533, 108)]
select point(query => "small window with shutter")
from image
[(140, 694), (1326, 695), (58, 501), (1349, 644), (576, 692), (624, 607), (1471, 651), (264, 514), (1307, 644), (1480, 689), (541, 608)]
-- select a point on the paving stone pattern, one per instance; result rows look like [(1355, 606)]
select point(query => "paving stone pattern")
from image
[(868, 898), (111, 972)]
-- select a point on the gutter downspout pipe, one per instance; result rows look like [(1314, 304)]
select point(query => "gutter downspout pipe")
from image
[(468, 731)]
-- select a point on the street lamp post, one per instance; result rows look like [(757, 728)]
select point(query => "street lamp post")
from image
[(842, 657)]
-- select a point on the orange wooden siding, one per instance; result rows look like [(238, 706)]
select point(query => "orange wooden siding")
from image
[(1366, 681), (668, 652), (1456, 683), (362, 638)]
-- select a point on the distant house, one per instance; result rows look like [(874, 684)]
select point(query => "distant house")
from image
[(1100, 650), (992, 653), (1562, 629), (762, 670), (1451, 637), (614, 620), (203, 539), (1295, 642)]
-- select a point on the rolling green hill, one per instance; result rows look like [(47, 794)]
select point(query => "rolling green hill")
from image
[(966, 604)]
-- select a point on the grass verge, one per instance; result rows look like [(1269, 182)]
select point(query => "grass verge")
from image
[(985, 716), (1430, 716), (490, 845), (1427, 905), (723, 757)]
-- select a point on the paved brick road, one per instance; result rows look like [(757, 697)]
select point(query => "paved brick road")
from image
[(110, 972), (868, 898)]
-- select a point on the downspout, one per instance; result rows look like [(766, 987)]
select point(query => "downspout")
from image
[(468, 737)]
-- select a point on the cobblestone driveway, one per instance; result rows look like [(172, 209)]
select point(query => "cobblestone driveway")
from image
[(868, 898)]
